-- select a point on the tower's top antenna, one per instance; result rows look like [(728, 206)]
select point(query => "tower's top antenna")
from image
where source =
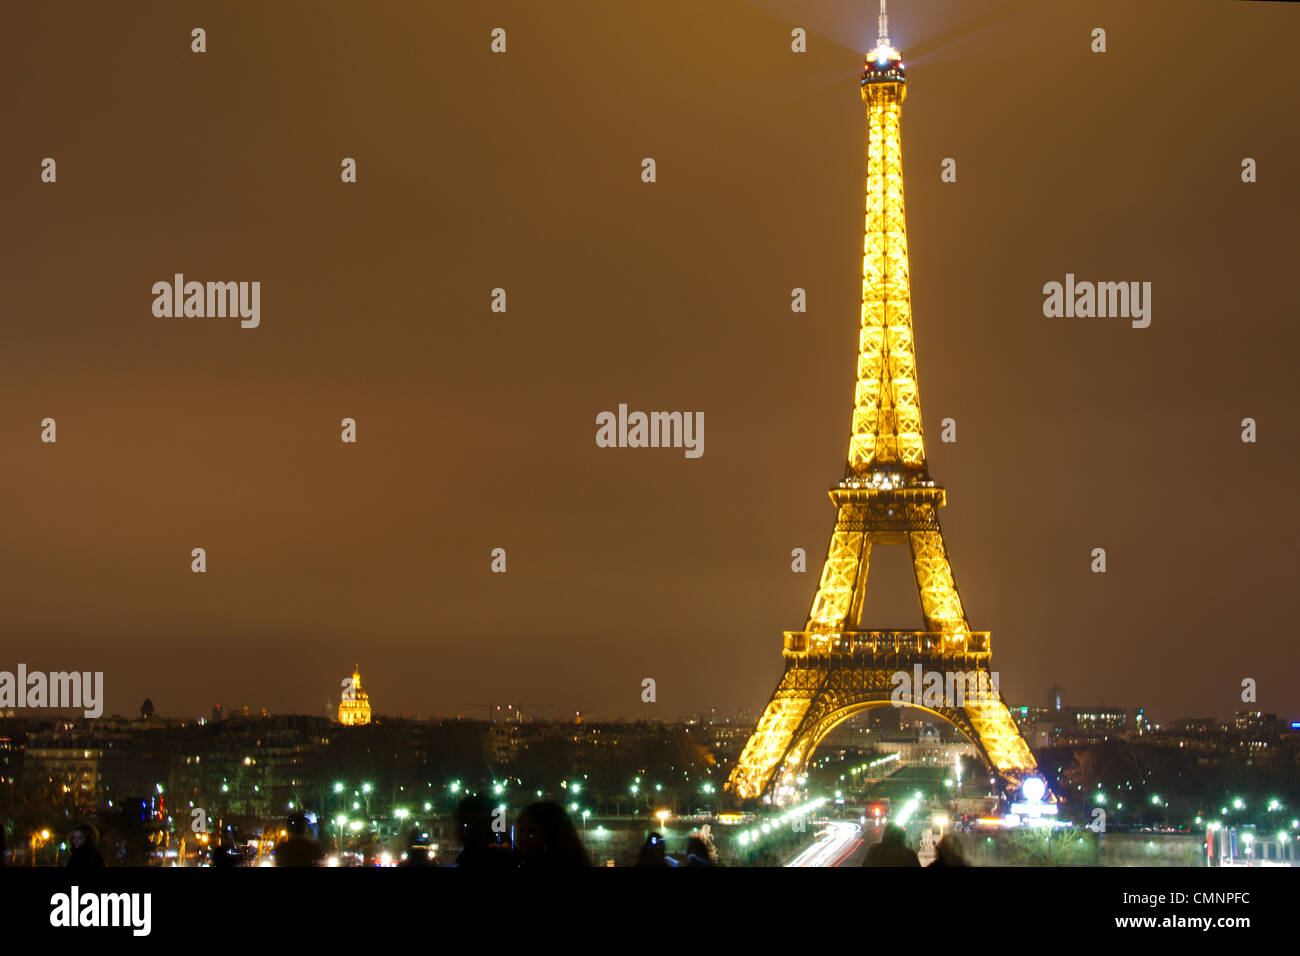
[(883, 63)]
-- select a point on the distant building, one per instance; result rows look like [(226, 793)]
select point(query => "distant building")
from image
[(1256, 730), (503, 742), (1254, 722), (927, 745), (1059, 726), (354, 707), (70, 771)]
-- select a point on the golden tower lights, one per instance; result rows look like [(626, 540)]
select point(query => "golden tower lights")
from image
[(833, 669)]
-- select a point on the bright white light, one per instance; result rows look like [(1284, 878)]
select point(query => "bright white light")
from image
[(883, 54), (1033, 789)]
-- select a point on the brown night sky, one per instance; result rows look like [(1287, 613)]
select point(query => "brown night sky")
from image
[(476, 430)]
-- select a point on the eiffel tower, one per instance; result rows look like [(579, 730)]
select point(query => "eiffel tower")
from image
[(832, 669)]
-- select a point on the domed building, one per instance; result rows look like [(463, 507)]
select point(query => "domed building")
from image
[(354, 707)]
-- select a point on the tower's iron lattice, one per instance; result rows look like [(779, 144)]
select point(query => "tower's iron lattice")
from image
[(833, 669)]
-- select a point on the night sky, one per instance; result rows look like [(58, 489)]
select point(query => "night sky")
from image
[(476, 430)]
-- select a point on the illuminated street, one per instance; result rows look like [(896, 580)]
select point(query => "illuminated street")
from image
[(837, 844)]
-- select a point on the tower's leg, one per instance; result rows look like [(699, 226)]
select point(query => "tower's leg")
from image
[(940, 602), (773, 748), (838, 603), (989, 718), (1001, 740)]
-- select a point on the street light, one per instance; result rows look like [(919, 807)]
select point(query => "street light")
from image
[(37, 839)]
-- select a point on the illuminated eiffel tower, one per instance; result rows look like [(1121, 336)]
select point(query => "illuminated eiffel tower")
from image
[(832, 669)]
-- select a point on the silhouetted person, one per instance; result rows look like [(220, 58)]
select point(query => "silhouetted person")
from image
[(301, 848), (654, 854), (474, 816), (700, 852), (2, 845), (948, 852), (84, 851), (546, 839), (891, 850)]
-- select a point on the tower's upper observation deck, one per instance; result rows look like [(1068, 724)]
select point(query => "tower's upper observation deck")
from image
[(883, 66)]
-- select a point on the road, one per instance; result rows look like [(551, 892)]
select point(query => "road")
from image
[(838, 843)]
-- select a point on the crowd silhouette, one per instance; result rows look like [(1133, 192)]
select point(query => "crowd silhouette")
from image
[(892, 850), (544, 838)]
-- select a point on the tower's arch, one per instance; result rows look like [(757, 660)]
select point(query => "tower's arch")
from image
[(816, 696), (950, 717)]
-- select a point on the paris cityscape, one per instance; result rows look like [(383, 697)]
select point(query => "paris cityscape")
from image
[(362, 518), (385, 790)]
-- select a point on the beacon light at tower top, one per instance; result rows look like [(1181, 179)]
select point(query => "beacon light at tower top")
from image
[(884, 53)]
